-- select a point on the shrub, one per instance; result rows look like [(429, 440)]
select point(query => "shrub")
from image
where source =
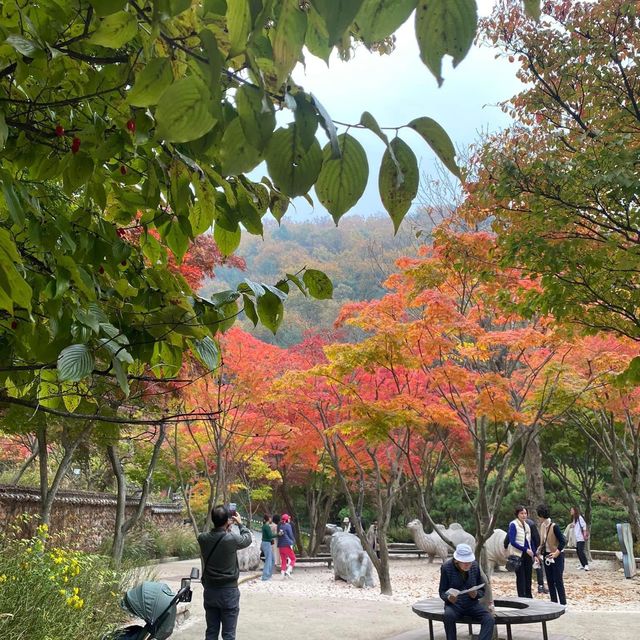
[(177, 541), (50, 593)]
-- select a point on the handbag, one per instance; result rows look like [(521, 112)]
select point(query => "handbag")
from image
[(513, 563), (585, 531)]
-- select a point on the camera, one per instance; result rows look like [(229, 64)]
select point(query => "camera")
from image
[(233, 509), (549, 561)]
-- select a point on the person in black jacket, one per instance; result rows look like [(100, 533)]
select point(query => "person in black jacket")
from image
[(458, 574), (550, 553), (220, 571), (535, 544)]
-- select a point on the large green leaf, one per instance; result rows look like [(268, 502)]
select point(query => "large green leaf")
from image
[(378, 19), (270, 310), (151, 83), (338, 16), (227, 240), (288, 38), (398, 189), (106, 7), (238, 25), (256, 115), (445, 27), (208, 352), (342, 180), (438, 139), (237, 155), (14, 289), (115, 30), (318, 284), (293, 168), (182, 113), (75, 363)]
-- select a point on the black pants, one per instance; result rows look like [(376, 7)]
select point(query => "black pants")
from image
[(480, 615), (555, 580), (221, 608), (540, 576), (582, 554), (523, 577)]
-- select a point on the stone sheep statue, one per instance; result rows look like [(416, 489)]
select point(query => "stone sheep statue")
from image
[(495, 551), (249, 558), (350, 561), (431, 543), (329, 530)]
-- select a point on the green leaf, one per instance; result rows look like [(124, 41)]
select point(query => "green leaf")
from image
[(445, 27), (4, 131), (75, 363), (256, 115), (327, 124), (532, 8), (227, 241), (107, 7), (151, 83), (317, 36), (378, 19), (121, 375), (342, 181), (438, 139), (318, 284), (397, 190), (305, 120), (294, 278), (237, 155), (202, 212), (338, 15), (239, 25), (270, 311), (294, 170), (182, 113), (115, 30), (24, 46), (288, 38), (208, 352), (250, 309), (14, 290)]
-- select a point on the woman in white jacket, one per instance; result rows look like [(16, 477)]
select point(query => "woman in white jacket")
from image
[(520, 545), (581, 533)]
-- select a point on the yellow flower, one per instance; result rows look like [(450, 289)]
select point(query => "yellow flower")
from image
[(3, 578)]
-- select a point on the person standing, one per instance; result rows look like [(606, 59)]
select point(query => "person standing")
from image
[(535, 543), (520, 546), (275, 521), (285, 546), (581, 533), (550, 555), (460, 573), (372, 537), (220, 571), (267, 547)]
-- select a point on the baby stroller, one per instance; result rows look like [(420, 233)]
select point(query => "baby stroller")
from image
[(156, 604)]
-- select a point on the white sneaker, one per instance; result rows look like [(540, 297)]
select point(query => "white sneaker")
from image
[(579, 566), (288, 571), (284, 574), (586, 567)]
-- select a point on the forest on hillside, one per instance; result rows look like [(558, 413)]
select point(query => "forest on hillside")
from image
[(358, 256)]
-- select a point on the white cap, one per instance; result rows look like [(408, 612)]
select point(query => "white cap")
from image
[(463, 553)]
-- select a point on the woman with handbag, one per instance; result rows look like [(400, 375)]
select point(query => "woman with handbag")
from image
[(552, 543), (521, 551), (581, 532)]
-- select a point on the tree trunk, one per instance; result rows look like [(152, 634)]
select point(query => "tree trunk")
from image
[(26, 464), (533, 472)]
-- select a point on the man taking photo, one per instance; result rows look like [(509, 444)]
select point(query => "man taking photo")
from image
[(220, 571)]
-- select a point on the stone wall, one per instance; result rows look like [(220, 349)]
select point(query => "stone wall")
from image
[(82, 519)]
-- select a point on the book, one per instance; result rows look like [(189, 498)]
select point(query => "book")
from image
[(456, 592)]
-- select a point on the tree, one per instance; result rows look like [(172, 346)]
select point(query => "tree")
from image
[(145, 116), (561, 186)]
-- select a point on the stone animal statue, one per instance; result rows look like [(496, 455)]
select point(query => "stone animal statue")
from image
[(249, 558), (495, 550), (329, 530), (457, 535), (431, 543), (350, 561)]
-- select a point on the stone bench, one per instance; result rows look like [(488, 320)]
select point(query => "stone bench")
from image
[(508, 612)]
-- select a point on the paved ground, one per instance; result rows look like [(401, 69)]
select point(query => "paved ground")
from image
[(281, 613)]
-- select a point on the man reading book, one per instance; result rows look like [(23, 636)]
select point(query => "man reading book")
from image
[(456, 575)]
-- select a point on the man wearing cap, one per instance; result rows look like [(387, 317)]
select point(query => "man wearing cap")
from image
[(220, 572), (460, 573)]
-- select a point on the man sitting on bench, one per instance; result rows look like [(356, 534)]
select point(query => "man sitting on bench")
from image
[(462, 574)]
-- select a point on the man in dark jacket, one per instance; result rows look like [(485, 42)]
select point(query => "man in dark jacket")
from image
[(459, 574), (220, 572)]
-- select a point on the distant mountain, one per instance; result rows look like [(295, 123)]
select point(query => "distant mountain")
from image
[(358, 255)]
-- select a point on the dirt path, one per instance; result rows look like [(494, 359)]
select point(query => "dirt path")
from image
[(312, 606)]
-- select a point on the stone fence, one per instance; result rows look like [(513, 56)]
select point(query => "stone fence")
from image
[(82, 519)]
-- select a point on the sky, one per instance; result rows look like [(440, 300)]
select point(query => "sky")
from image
[(397, 88)]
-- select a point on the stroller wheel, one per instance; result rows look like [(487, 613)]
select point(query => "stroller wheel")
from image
[(132, 632)]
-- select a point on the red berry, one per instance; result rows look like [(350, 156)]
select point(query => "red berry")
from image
[(75, 145), (121, 233), (59, 131), (124, 263), (101, 270), (14, 325), (123, 170), (131, 125)]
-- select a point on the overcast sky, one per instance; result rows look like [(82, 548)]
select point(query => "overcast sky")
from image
[(397, 88)]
